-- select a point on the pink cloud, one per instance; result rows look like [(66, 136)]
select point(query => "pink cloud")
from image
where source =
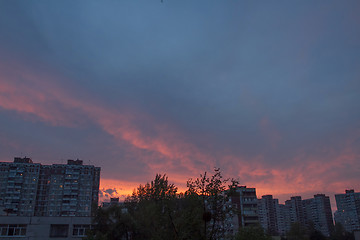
[(35, 95), (39, 97)]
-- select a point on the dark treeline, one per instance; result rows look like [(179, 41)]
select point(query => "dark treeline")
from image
[(155, 211)]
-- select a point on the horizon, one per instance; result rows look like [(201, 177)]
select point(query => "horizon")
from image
[(106, 194)]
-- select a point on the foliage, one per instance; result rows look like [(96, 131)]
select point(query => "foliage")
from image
[(214, 203), (313, 233), (317, 235), (152, 206), (155, 211), (111, 224), (158, 190), (252, 233), (340, 233), (188, 219), (297, 232)]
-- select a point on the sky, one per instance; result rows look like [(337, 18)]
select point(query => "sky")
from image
[(267, 91)]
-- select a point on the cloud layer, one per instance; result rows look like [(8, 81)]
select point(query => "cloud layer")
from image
[(267, 93)]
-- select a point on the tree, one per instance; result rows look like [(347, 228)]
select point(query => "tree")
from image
[(157, 190), (252, 233), (155, 211), (340, 233), (188, 218), (153, 206), (211, 191), (313, 233), (111, 224), (297, 232), (317, 235), (147, 214)]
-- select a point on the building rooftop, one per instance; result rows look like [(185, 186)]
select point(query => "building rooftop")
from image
[(22, 160)]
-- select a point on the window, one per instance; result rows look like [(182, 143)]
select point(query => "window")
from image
[(13, 229), (81, 230), (59, 230)]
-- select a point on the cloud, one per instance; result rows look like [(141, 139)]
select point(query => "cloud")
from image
[(183, 100), (270, 132), (106, 194), (37, 96)]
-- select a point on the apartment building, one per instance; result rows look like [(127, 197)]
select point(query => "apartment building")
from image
[(277, 218), (244, 200), (32, 189), (317, 211), (348, 210), (44, 228), (18, 186), (269, 214), (295, 208)]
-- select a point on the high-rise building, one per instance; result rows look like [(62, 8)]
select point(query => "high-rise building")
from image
[(268, 211), (277, 218), (348, 210), (244, 201), (296, 211), (317, 211), (284, 222), (33, 189)]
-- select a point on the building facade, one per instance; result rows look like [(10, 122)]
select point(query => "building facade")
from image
[(296, 210), (348, 210), (284, 222), (44, 228), (244, 200), (277, 218), (317, 211), (18, 186), (269, 214), (32, 189)]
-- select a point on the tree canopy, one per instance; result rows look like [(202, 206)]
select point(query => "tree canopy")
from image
[(157, 211)]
